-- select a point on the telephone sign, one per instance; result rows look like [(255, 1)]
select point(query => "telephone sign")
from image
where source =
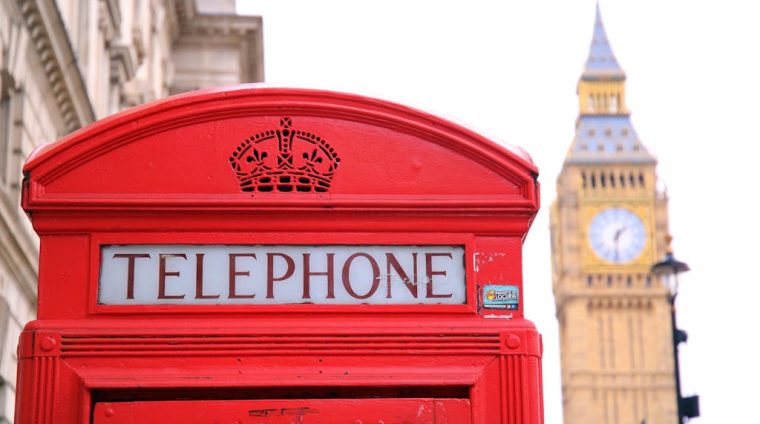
[(269, 275)]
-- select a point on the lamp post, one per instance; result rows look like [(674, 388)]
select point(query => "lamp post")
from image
[(669, 268)]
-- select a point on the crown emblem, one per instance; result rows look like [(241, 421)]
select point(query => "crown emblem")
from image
[(284, 160)]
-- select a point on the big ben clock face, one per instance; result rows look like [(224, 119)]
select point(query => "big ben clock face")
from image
[(617, 235)]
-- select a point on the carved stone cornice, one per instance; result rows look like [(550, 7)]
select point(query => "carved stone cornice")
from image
[(50, 40), (123, 64), (243, 31), (109, 17), (221, 25)]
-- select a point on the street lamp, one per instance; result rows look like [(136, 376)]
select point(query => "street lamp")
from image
[(669, 268)]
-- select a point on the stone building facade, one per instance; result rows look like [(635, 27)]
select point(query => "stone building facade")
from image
[(65, 64), (608, 227)]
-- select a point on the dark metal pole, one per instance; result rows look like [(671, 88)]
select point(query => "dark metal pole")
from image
[(676, 342), (670, 268)]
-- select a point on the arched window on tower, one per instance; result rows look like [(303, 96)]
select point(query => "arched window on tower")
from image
[(591, 105), (614, 103)]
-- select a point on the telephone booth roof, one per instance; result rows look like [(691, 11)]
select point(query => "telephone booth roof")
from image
[(252, 147)]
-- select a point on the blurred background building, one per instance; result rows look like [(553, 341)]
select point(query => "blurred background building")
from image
[(608, 227), (65, 64)]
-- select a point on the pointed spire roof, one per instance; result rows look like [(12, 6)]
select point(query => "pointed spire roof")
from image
[(605, 134), (603, 139), (601, 62)]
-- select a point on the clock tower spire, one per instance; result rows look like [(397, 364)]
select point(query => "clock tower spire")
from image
[(608, 224), (603, 129), (601, 89)]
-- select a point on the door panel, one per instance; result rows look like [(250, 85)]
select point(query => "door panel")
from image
[(307, 411)]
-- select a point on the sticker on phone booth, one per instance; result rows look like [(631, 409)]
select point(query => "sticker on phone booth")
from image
[(501, 297)]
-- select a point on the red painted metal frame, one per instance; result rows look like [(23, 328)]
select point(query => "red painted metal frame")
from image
[(160, 174), (314, 411)]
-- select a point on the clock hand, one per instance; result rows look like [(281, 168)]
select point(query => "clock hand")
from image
[(618, 233)]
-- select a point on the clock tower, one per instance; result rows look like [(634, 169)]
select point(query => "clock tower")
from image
[(608, 226)]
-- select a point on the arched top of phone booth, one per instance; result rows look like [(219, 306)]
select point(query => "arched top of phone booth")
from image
[(253, 148)]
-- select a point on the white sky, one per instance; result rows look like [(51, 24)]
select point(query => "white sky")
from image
[(508, 69)]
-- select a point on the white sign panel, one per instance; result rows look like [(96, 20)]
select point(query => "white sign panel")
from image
[(270, 275)]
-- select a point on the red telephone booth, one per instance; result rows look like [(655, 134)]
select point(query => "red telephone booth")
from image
[(256, 255)]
